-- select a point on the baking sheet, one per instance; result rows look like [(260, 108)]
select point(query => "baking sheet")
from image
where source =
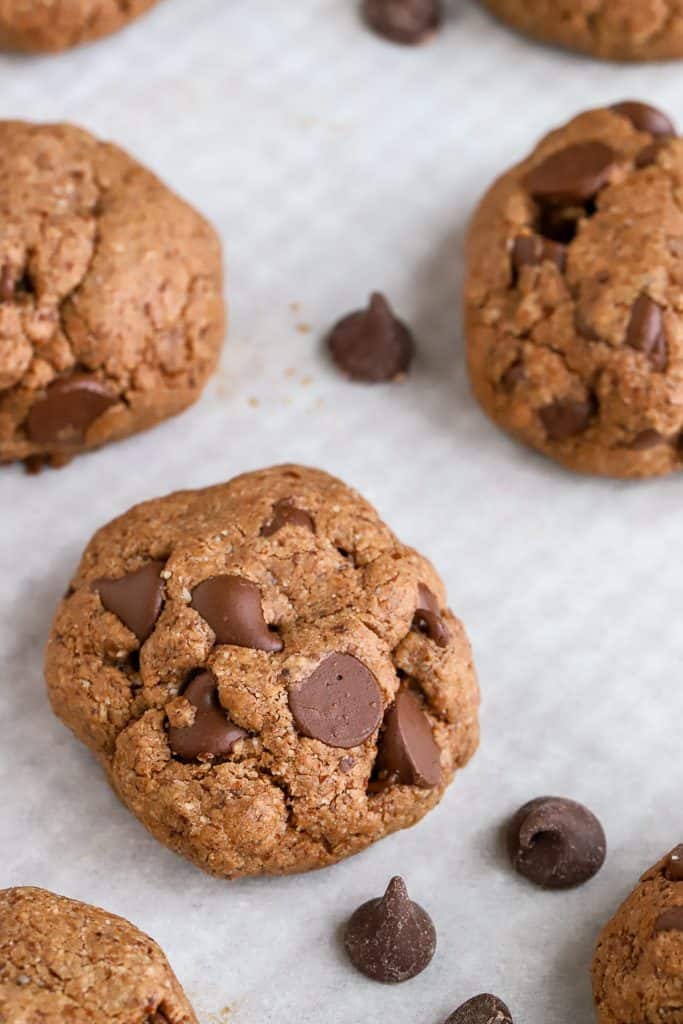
[(334, 164)]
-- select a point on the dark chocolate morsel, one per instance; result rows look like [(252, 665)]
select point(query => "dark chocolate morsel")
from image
[(645, 332), (532, 250), (571, 175), (648, 154), (340, 703), (407, 748), (212, 735), (566, 417), (390, 939), (135, 598), (285, 513), (674, 866), (69, 407), (403, 21), (482, 1009), (556, 843), (645, 118), (646, 439), (231, 605), (428, 619), (372, 345), (670, 920)]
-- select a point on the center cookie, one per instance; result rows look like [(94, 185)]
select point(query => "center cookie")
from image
[(272, 680)]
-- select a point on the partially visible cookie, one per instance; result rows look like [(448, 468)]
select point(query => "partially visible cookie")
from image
[(61, 960), (574, 290), (638, 964), (38, 26), (628, 30), (111, 310), (270, 678)]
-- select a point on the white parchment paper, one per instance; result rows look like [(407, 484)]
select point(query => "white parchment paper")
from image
[(333, 164)]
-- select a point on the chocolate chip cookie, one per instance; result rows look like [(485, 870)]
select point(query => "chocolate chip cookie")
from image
[(66, 961), (270, 678), (573, 295), (111, 311), (638, 964), (629, 30), (35, 26)]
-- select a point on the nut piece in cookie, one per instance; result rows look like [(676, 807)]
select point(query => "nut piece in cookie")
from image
[(36, 27), (271, 679)]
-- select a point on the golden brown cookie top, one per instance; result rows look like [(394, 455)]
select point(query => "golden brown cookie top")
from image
[(35, 26)]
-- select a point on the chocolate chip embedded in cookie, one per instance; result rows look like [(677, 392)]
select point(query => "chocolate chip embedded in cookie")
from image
[(271, 679), (638, 962), (111, 310), (68, 961), (572, 314), (35, 26)]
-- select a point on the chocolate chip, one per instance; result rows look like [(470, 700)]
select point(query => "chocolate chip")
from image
[(513, 376), (390, 939), (339, 704), (212, 735), (231, 605), (346, 764), (571, 175), (407, 748), (403, 21), (135, 598), (645, 118), (646, 439), (674, 866), (372, 345), (483, 1009), (428, 617), (285, 513), (532, 250), (648, 155), (567, 417), (670, 920), (7, 283), (70, 406), (645, 332), (556, 843)]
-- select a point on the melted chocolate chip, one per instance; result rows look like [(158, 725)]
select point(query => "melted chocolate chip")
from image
[(556, 843), (428, 617), (571, 175), (212, 735), (408, 22), (231, 605), (670, 920), (340, 703), (646, 439), (532, 250), (372, 345), (567, 417), (390, 939), (674, 866), (70, 406), (407, 748), (285, 513), (483, 1009), (645, 332), (645, 118), (135, 598), (649, 154), (514, 375)]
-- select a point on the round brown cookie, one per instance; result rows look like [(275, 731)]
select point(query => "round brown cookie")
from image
[(638, 964), (270, 678), (628, 30), (573, 295), (111, 315), (61, 960), (36, 26)]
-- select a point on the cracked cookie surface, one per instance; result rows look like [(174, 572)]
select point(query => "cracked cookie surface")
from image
[(36, 26), (638, 964), (628, 30), (61, 960), (111, 310), (574, 295), (270, 678)]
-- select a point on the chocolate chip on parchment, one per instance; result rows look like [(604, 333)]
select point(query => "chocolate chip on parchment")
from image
[(645, 118), (567, 417), (407, 748), (645, 332), (212, 735), (340, 703), (231, 605), (482, 1009), (670, 920), (391, 939), (556, 843), (135, 598), (428, 619), (70, 406), (674, 866), (409, 22), (372, 345), (285, 513), (532, 250), (571, 175)]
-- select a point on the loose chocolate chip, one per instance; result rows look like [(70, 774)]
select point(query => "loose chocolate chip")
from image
[(212, 735), (556, 843), (483, 1009), (428, 617), (646, 439), (391, 939), (407, 748), (645, 118), (566, 417), (645, 332), (513, 376), (648, 154), (674, 867), (670, 920), (571, 175), (70, 406), (372, 345), (232, 607), (532, 250), (285, 513), (135, 599), (339, 704), (403, 21)]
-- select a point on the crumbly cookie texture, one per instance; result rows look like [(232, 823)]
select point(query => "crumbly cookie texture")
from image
[(638, 964), (628, 30), (61, 960), (574, 295), (290, 686), (111, 310), (51, 25)]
